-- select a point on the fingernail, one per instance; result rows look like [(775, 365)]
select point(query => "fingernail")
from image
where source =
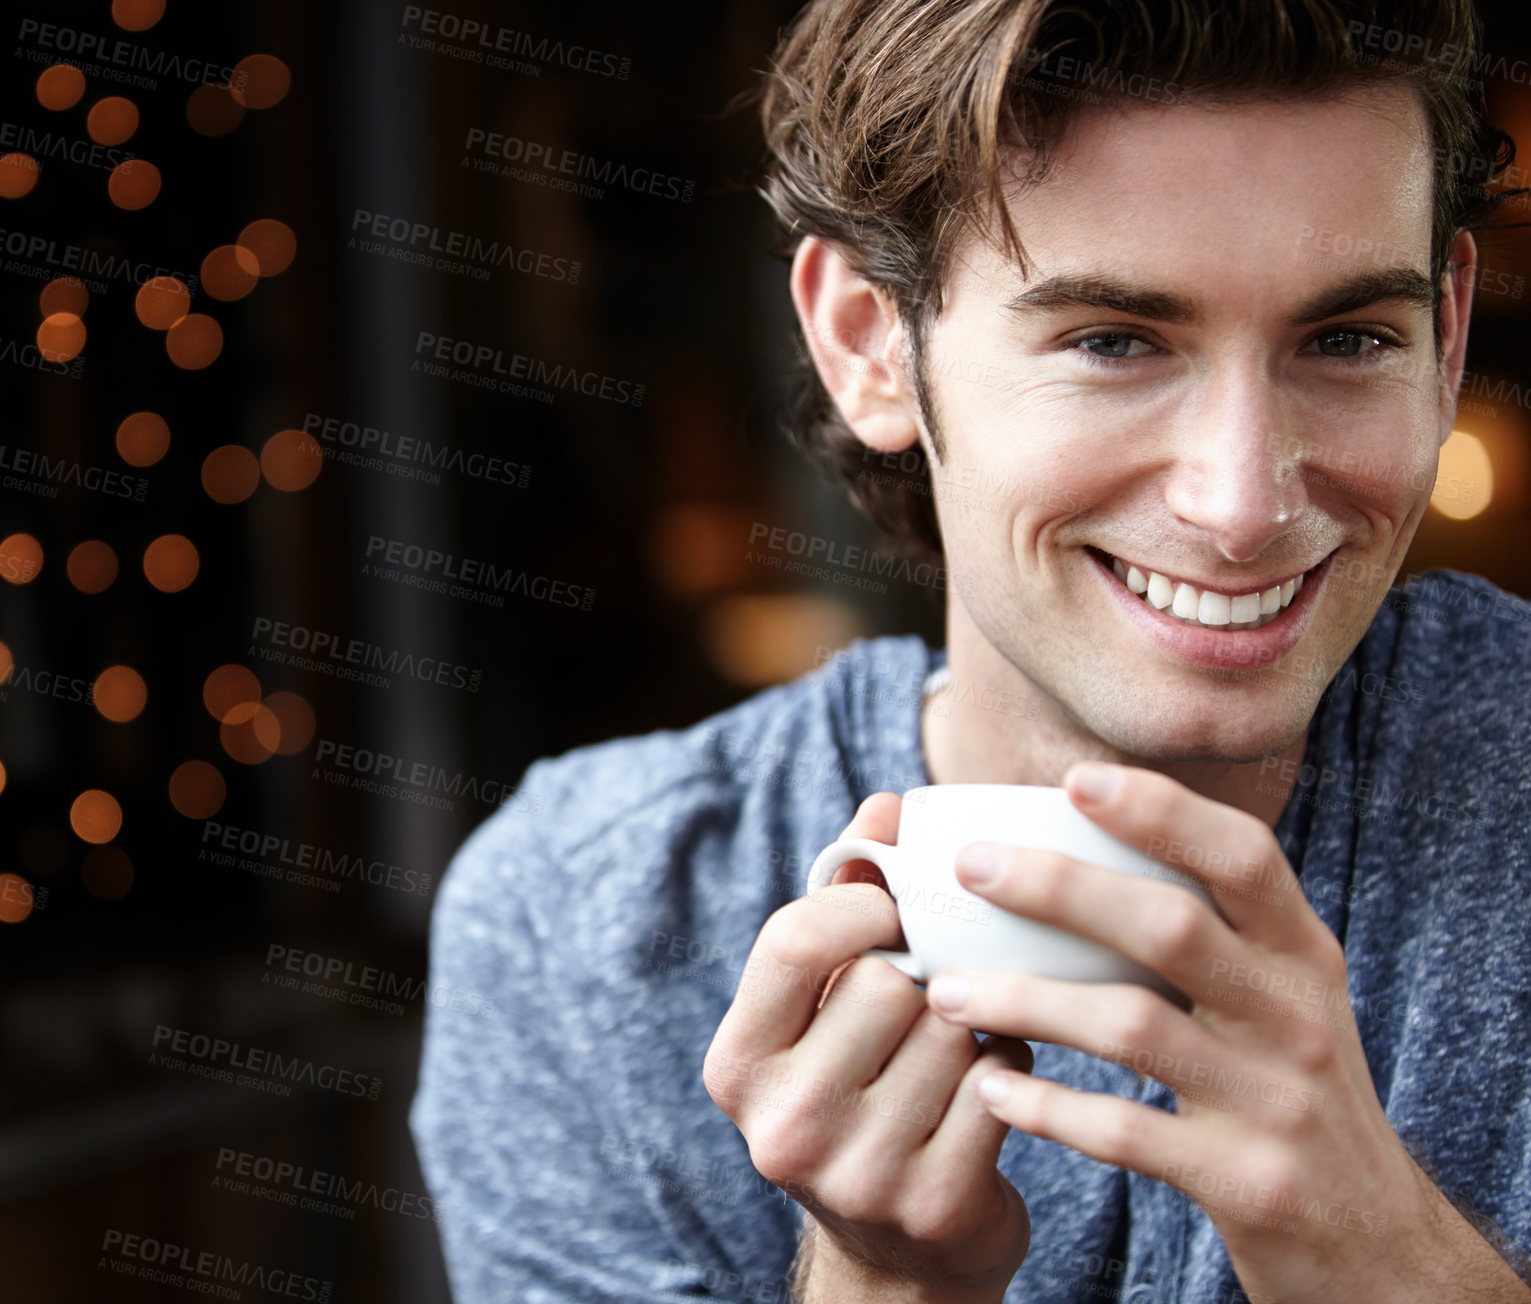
[(979, 862), (994, 1088), (949, 991), (1096, 782)]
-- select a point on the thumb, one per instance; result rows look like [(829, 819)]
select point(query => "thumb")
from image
[(876, 818)]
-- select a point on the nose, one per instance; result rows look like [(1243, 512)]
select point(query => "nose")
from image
[(1237, 474)]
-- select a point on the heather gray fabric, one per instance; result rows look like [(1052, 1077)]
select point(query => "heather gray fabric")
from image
[(575, 1155)]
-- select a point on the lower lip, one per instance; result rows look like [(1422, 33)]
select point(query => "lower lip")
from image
[(1230, 649)]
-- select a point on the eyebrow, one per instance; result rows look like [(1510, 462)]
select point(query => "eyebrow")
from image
[(1387, 285)]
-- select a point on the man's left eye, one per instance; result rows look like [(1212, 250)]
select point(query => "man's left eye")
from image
[(1347, 344)]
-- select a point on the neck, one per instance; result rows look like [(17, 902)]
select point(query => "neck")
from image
[(991, 724)]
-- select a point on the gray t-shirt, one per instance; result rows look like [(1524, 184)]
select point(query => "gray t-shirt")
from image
[(599, 924)]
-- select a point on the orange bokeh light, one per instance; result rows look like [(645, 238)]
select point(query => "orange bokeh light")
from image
[(229, 272), (134, 184), (112, 120), (2, 776), (197, 789), (259, 81), (161, 302), (194, 342), (137, 15), (171, 563), (143, 438), (64, 294), (230, 474), (229, 686), (121, 693), (250, 733), (95, 816), (107, 873), (61, 337), (272, 242), (21, 557), (290, 460), (295, 718), (91, 566), (60, 87), (16, 898), (212, 111), (18, 174), (6, 662)]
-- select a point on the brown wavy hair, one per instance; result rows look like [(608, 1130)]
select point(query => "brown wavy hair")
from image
[(893, 126)]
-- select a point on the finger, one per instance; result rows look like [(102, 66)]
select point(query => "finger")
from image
[(1121, 1022), (1160, 925), (1234, 854), (969, 1127), (1120, 1132), (876, 818), (862, 1021)]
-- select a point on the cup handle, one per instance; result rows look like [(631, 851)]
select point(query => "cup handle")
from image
[(881, 855)]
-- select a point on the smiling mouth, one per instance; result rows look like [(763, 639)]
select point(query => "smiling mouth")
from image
[(1205, 608)]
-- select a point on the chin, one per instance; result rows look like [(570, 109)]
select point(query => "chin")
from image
[(1160, 739)]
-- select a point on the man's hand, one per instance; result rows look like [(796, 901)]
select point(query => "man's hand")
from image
[(1279, 1135), (864, 1108)]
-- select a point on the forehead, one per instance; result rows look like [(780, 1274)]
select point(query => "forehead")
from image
[(1252, 198)]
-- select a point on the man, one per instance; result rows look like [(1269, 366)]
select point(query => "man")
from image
[(1176, 447)]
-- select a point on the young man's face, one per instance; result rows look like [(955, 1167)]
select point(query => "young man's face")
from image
[(1263, 407)]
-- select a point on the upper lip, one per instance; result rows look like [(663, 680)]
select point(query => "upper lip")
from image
[(1232, 588)]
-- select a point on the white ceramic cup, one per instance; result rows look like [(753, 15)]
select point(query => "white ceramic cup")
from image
[(948, 927)]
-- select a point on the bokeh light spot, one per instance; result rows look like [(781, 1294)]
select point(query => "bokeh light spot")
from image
[(295, 719), (171, 563), (60, 87), (230, 272), (61, 337), (21, 557), (107, 873), (64, 294), (212, 111), (95, 816), (161, 302), (194, 342), (134, 184), (250, 733), (2, 776), (143, 438), (230, 474), (197, 789), (272, 242), (1464, 481), (91, 566), (259, 81), (121, 693), (16, 898), (290, 460), (112, 120), (229, 686), (7, 661), (137, 15), (18, 174)]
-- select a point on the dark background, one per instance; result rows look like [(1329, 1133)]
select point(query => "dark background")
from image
[(647, 509)]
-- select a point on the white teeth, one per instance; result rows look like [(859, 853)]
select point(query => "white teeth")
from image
[(1219, 610)]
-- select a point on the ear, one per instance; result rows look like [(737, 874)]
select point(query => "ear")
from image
[(1456, 306), (857, 342)]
